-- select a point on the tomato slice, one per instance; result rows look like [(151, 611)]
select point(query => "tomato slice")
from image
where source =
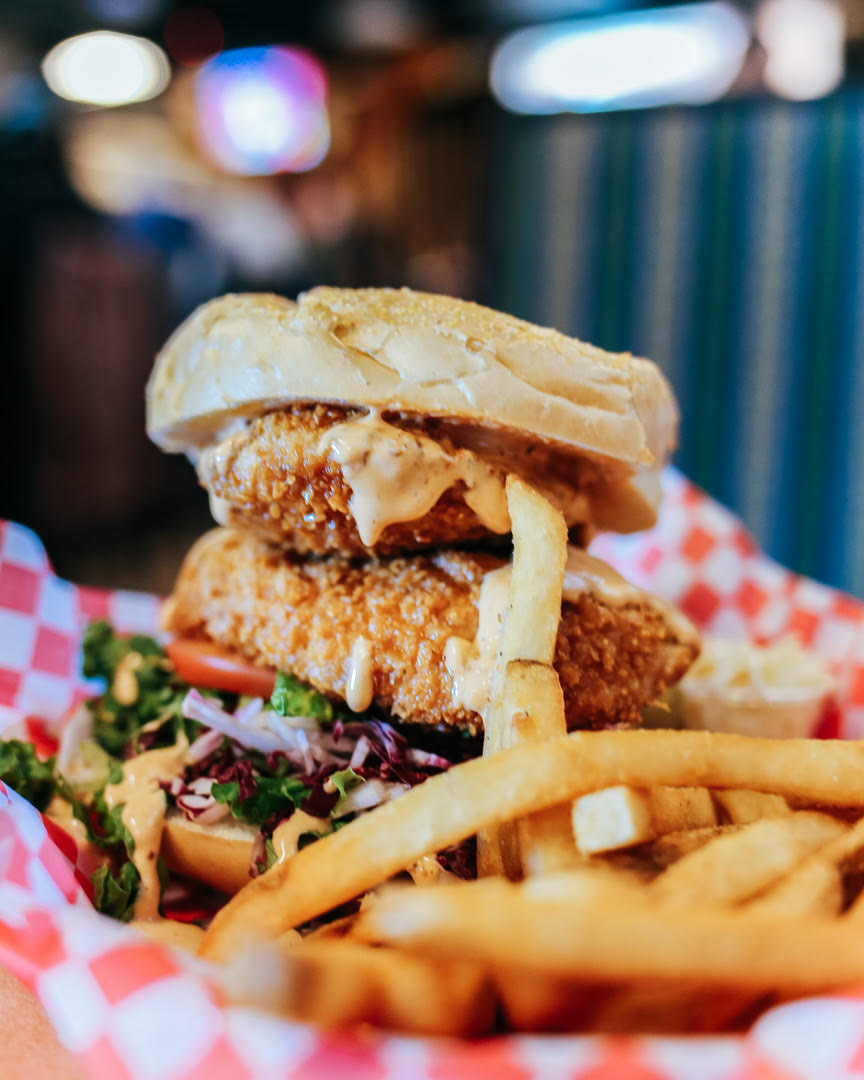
[(38, 734), (202, 663)]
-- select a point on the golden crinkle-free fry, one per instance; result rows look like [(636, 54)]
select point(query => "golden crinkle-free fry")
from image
[(675, 809), (816, 885), (813, 888), (633, 940), (537, 1002), (611, 819), (673, 1007), (591, 882), (530, 627), (742, 807), (532, 697), (525, 698), (668, 849), (621, 817), (737, 866), (338, 983)]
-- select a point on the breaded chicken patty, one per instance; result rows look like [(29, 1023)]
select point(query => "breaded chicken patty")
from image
[(286, 478), (307, 616)]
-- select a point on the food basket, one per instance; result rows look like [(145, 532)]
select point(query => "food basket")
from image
[(127, 1007)]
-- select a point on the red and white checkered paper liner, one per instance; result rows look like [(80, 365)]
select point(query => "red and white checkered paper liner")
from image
[(128, 1008)]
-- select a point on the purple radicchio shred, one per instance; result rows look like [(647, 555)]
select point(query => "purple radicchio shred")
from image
[(240, 772), (406, 753), (460, 859), (146, 740), (213, 764), (389, 755), (280, 764), (320, 802)]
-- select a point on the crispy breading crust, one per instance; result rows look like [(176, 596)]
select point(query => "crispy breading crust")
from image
[(274, 478), (304, 616)]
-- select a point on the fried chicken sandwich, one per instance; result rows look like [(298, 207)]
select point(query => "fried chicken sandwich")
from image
[(332, 641)]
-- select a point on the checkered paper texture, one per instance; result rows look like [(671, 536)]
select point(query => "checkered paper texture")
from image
[(128, 1008)]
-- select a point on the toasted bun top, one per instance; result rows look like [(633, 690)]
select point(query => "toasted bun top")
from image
[(412, 353)]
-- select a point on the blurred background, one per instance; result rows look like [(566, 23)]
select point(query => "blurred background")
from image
[(684, 181)]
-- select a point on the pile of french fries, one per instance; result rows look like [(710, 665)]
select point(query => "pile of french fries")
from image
[(627, 880)]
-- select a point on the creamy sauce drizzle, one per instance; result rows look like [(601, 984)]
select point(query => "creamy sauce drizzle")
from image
[(585, 574), (286, 837), (470, 663), (143, 814), (398, 475), (359, 689)]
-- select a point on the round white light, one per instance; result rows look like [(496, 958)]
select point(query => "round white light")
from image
[(804, 42), (106, 68)]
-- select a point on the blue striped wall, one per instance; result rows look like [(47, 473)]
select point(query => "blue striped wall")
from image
[(726, 243)]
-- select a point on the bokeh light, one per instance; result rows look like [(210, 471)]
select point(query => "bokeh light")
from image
[(263, 110), (804, 42), (106, 68), (690, 53)]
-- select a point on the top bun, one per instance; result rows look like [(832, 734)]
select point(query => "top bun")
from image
[(415, 354)]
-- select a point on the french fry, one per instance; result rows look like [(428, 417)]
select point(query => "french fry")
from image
[(815, 887), (525, 698), (665, 1008), (855, 911), (546, 843), (340, 982), (621, 817), (742, 807), (736, 867), (668, 849), (676, 809), (608, 941), (610, 819), (645, 862), (534, 1001), (530, 628), (530, 777), (533, 698), (589, 883), (539, 1002), (532, 704)]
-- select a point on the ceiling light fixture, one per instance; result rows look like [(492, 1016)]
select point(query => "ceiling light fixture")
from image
[(106, 68)]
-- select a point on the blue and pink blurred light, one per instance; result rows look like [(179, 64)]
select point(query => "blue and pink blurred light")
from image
[(263, 110)]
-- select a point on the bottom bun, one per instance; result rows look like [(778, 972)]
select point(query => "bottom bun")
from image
[(218, 855)]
